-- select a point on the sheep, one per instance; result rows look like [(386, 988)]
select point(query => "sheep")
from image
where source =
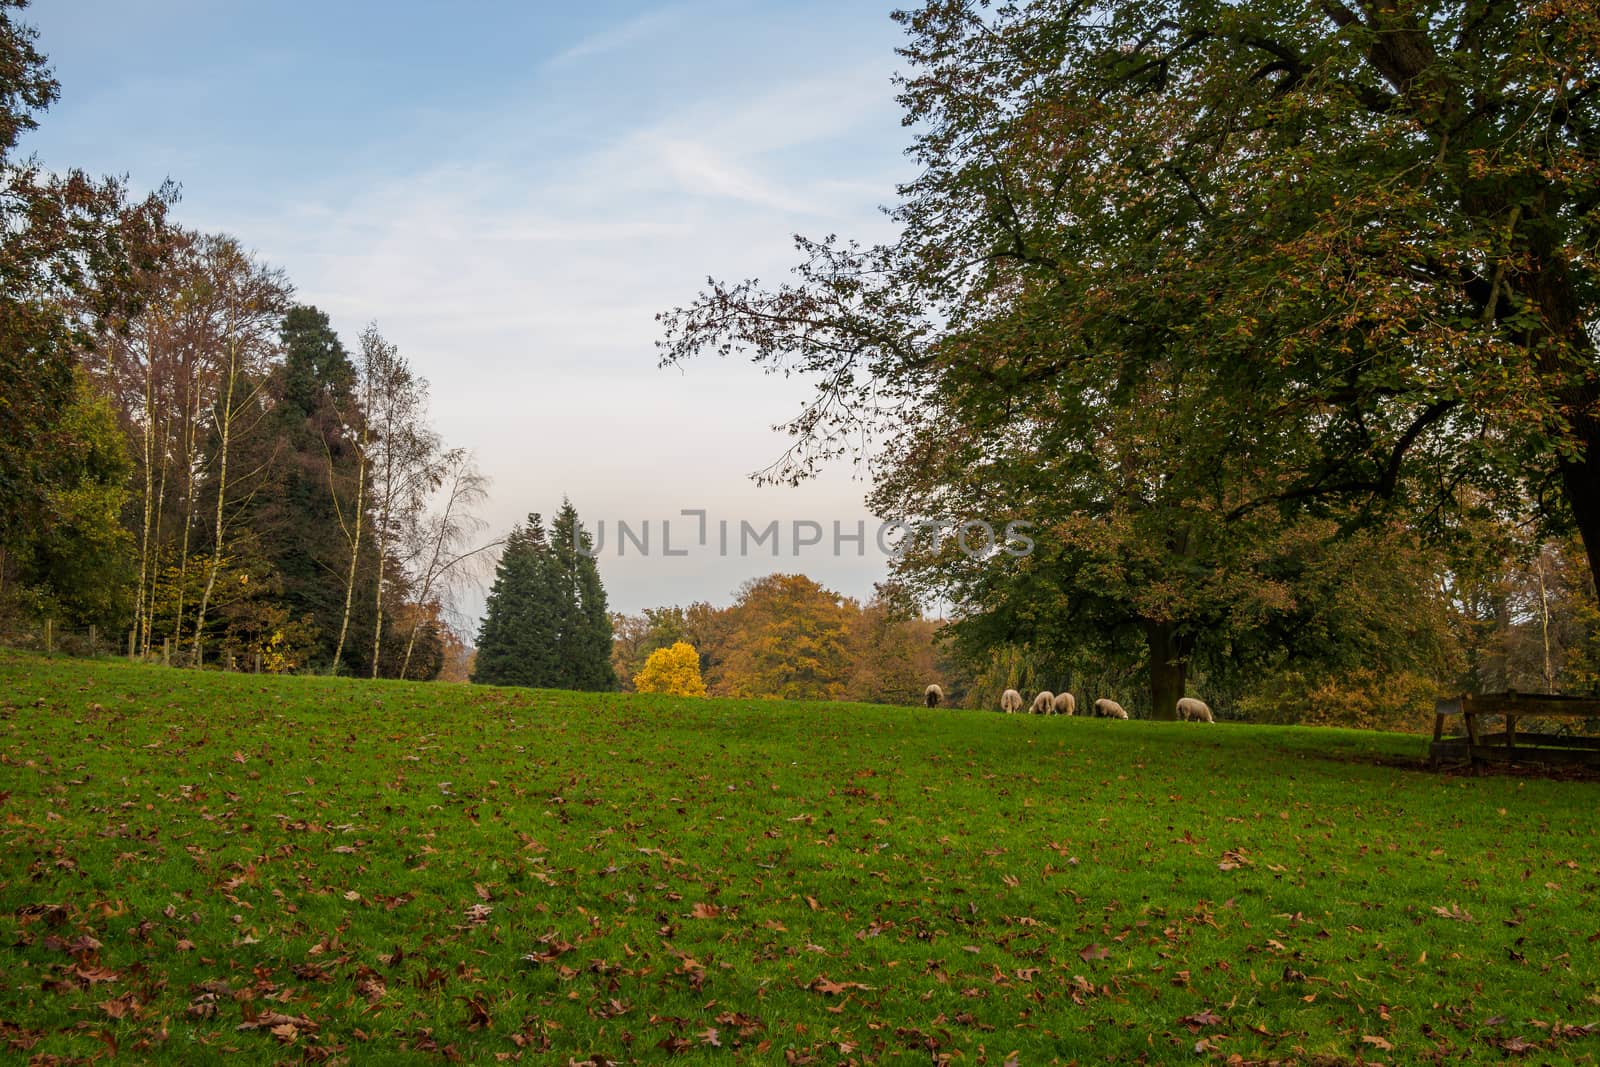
[(1010, 701), (1066, 704), (1109, 709), (1192, 710), (1044, 703), (932, 696)]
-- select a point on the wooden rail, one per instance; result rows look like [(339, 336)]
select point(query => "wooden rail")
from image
[(1510, 745)]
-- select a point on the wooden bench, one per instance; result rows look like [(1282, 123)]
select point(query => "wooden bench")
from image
[(1510, 746)]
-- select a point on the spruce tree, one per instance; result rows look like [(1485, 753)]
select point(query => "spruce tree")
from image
[(307, 450), (517, 641), (546, 623), (584, 647)]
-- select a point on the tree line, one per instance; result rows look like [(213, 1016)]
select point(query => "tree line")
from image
[(786, 636), (189, 455)]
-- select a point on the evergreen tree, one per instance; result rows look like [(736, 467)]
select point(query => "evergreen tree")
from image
[(584, 641), (517, 641), (546, 623), (316, 403)]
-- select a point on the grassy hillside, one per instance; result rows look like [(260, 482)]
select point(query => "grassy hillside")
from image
[(287, 869)]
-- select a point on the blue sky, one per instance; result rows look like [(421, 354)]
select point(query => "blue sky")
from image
[(512, 191)]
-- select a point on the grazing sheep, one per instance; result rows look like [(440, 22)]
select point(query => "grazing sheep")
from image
[(1044, 703), (1066, 704), (1192, 710), (932, 696), (1109, 709), (1010, 701)]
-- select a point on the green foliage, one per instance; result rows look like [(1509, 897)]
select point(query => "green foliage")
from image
[(71, 250), (546, 623), (583, 637), (1197, 288), (75, 562), (308, 455), (456, 872)]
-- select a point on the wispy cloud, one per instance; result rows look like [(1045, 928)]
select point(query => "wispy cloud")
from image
[(635, 31)]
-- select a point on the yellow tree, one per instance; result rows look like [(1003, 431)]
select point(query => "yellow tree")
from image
[(789, 639), (674, 671)]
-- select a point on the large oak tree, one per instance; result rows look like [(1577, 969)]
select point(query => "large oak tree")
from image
[(1341, 258)]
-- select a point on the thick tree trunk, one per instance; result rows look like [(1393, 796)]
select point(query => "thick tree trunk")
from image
[(1581, 480), (1169, 668)]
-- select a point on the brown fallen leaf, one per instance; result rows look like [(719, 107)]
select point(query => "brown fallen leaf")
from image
[(828, 987), (121, 1007), (268, 1020), (705, 911), (1093, 952), (1377, 1042)]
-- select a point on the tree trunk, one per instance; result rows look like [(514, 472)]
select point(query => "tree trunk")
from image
[(1169, 668), (155, 539), (377, 611), (191, 416), (146, 570), (355, 539), (1580, 478), (222, 498)]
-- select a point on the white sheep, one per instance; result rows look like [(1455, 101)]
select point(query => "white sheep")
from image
[(1066, 704), (1109, 709), (932, 696), (1192, 710), (1010, 701), (1044, 703)]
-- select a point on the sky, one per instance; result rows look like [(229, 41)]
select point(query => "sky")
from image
[(512, 191)]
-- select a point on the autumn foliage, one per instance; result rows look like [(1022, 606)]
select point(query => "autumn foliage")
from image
[(674, 671)]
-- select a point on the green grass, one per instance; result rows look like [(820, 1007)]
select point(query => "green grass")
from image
[(297, 868)]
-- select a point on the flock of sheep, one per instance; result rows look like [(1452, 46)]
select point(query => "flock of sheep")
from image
[(1048, 703)]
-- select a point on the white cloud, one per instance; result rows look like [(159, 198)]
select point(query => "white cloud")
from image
[(635, 31)]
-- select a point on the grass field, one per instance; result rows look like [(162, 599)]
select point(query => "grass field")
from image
[(287, 869)]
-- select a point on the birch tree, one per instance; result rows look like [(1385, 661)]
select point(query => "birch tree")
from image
[(443, 555), (405, 462), (249, 300)]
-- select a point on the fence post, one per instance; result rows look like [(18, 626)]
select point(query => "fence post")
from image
[(258, 663), (49, 637), (93, 650), (133, 636), (166, 651)]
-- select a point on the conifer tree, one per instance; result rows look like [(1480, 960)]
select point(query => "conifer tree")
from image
[(584, 643), (310, 453), (517, 641), (546, 623)]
